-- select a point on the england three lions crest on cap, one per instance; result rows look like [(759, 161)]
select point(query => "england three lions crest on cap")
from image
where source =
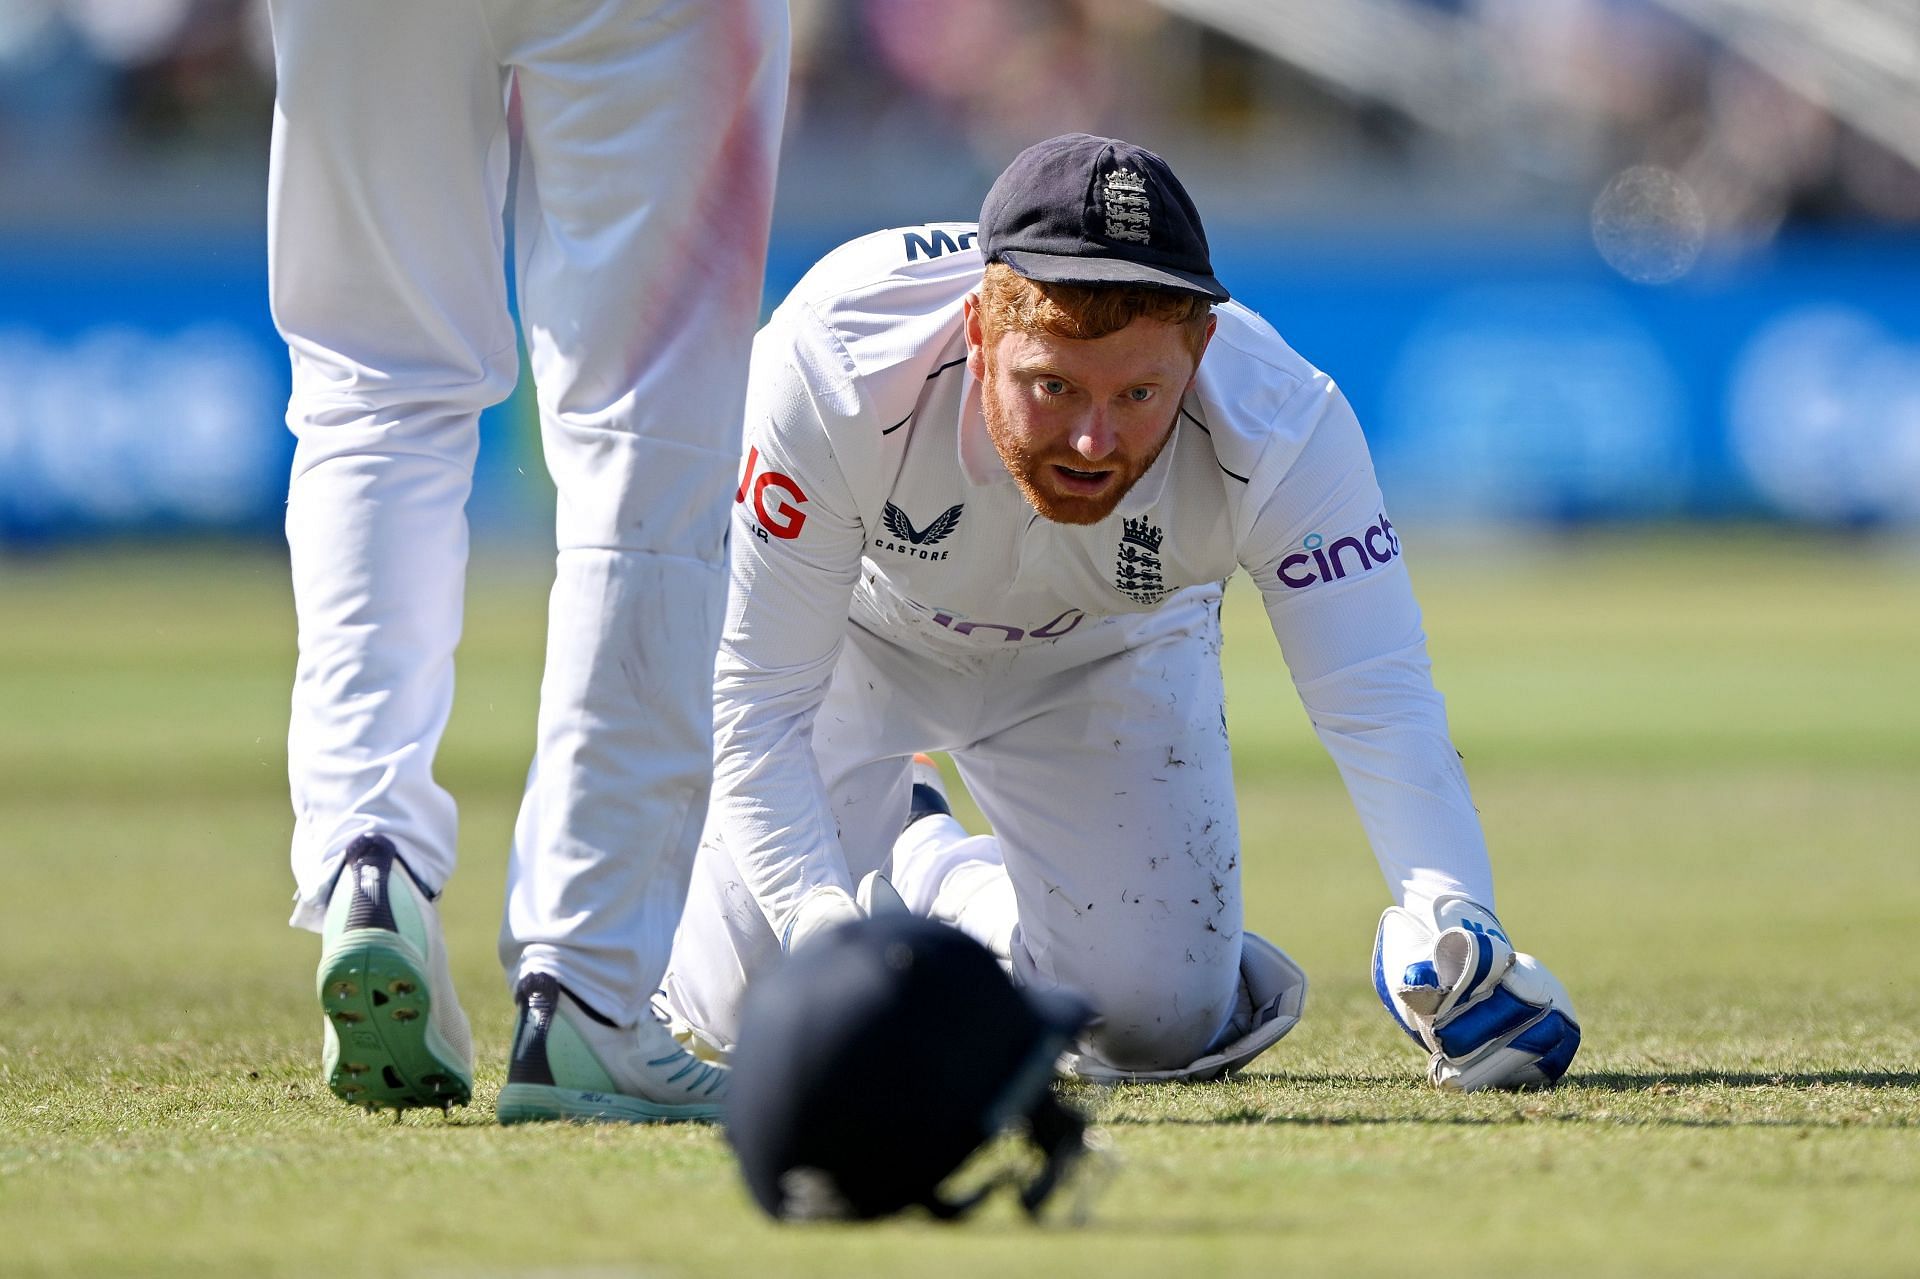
[(1086, 210), (1124, 198)]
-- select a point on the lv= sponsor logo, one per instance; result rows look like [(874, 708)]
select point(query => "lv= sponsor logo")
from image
[(777, 513)]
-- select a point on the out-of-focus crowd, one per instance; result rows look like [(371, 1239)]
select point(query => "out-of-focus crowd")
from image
[(1531, 112)]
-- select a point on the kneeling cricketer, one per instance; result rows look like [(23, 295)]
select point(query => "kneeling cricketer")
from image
[(995, 478)]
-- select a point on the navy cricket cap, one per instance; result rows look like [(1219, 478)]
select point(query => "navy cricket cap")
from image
[(1078, 209), (875, 1060)]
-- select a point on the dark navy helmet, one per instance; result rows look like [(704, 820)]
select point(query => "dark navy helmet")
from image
[(873, 1062)]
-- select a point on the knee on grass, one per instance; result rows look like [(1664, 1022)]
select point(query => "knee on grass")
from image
[(1160, 1015)]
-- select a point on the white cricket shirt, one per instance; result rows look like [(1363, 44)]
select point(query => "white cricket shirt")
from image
[(871, 494)]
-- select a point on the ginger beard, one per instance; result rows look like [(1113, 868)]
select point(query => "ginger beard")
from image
[(1061, 483)]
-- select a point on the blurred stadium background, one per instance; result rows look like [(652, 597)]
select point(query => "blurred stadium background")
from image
[(1633, 283), (1573, 260)]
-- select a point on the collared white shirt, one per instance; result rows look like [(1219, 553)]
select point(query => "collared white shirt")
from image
[(872, 495)]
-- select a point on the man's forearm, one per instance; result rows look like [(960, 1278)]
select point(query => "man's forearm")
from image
[(769, 802)]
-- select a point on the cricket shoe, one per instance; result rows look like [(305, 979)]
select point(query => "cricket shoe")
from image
[(570, 1062), (394, 1033)]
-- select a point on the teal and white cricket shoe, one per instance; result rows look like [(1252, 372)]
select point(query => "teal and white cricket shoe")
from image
[(395, 1035), (569, 1062)]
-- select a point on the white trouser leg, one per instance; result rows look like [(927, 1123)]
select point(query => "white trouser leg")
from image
[(649, 163), (1113, 871), (388, 174), (944, 873), (1124, 859)]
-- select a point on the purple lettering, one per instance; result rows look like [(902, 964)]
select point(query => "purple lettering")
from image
[(1379, 556), (1333, 553), (1295, 582), (1368, 549), (968, 628), (1046, 630)]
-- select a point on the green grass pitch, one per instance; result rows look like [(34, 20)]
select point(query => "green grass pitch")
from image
[(1697, 762)]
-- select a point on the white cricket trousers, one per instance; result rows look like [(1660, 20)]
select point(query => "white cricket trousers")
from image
[(649, 138), (1113, 870)]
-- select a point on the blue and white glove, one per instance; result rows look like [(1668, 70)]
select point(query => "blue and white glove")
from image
[(1490, 1017)]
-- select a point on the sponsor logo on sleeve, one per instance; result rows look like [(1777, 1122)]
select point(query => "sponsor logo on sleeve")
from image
[(1319, 560), (1136, 562), (775, 498), (905, 539)]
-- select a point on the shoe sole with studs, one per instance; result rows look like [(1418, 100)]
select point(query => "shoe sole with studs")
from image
[(374, 995)]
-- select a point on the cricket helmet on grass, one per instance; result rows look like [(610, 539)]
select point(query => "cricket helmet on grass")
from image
[(872, 1064)]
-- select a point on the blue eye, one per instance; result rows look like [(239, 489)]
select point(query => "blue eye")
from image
[(1140, 394), (1053, 386)]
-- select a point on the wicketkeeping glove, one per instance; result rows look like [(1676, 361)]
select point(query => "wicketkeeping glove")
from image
[(1490, 1017)]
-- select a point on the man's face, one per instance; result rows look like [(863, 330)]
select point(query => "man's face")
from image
[(1078, 421)]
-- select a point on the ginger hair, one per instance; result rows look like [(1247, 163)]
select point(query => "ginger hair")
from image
[(1008, 300)]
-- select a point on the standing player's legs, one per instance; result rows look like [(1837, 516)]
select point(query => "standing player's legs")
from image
[(388, 175), (1110, 793), (651, 138)]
